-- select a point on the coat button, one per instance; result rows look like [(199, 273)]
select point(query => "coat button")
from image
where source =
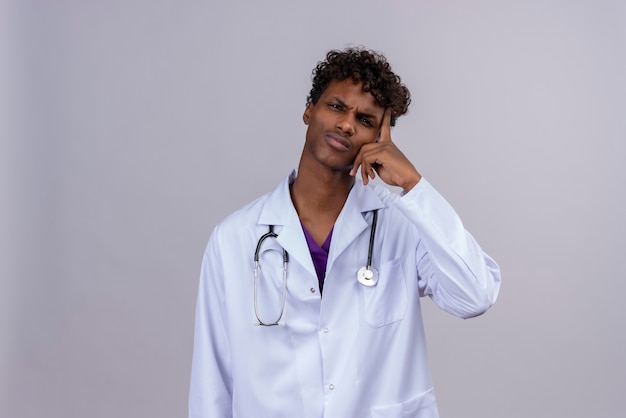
[(325, 330), (312, 290), (331, 386)]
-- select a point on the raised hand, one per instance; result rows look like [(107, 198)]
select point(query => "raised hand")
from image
[(384, 158)]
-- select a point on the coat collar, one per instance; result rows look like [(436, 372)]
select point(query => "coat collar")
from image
[(278, 210)]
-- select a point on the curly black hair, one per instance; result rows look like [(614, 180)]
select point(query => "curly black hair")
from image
[(363, 66)]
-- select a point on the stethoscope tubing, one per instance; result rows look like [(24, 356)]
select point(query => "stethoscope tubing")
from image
[(269, 234), (366, 281), (370, 249)]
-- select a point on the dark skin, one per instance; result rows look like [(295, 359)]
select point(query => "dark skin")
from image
[(347, 129)]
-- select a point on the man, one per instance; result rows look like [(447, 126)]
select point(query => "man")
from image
[(328, 322)]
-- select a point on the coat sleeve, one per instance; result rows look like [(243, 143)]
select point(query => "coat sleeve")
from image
[(210, 393), (452, 268)]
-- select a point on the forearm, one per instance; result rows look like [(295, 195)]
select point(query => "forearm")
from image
[(452, 267)]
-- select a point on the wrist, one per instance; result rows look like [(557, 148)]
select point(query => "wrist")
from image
[(411, 183)]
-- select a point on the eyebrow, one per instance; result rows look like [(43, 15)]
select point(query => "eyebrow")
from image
[(361, 114)]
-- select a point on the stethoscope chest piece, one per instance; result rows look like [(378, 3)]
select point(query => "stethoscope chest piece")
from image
[(367, 276)]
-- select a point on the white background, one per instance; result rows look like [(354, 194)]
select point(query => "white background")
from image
[(130, 128)]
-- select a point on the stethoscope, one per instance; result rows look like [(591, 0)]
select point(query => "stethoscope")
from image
[(366, 275)]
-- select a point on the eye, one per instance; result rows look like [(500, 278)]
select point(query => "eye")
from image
[(367, 122), (334, 106)]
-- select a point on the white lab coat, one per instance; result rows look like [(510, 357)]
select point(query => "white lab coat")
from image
[(358, 351)]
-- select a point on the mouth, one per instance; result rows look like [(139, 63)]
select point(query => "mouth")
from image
[(338, 142)]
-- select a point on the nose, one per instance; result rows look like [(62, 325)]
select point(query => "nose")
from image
[(346, 125)]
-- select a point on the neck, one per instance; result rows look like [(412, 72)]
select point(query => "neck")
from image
[(318, 196), (320, 192)]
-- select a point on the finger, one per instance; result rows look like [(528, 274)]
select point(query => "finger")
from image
[(367, 174), (356, 163), (360, 165), (364, 170), (368, 163), (385, 127)]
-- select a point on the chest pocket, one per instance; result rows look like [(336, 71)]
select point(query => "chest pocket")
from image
[(386, 302)]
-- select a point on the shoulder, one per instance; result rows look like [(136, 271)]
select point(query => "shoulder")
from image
[(243, 217), (388, 195), (393, 196), (246, 219), (409, 209)]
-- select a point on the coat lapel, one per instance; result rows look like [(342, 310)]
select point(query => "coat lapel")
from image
[(279, 211), (351, 221)]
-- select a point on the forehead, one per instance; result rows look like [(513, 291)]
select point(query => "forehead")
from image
[(353, 95)]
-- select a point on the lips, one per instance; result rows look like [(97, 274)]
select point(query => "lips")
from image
[(338, 142)]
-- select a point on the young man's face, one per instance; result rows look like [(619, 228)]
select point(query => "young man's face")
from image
[(344, 118)]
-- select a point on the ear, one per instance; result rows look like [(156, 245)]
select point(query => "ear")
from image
[(307, 113)]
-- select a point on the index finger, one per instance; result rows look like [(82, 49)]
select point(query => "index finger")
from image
[(385, 127)]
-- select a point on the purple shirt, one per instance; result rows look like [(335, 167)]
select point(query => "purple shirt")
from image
[(318, 254)]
